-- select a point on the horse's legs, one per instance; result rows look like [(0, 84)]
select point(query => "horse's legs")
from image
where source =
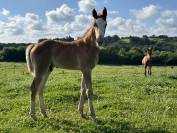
[(33, 97), (145, 66), (89, 91), (40, 92), (150, 70), (82, 96), (38, 86)]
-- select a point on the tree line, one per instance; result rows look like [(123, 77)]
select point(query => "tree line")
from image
[(117, 50)]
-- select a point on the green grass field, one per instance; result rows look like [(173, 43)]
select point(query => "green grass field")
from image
[(124, 100)]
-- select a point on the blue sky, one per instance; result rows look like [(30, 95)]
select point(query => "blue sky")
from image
[(123, 6), (27, 21)]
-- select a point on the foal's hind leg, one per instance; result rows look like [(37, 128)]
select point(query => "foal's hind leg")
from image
[(82, 96), (40, 92), (37, 87), (33, 97), (34, 89)]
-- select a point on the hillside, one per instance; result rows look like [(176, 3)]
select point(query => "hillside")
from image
[(125, 50)]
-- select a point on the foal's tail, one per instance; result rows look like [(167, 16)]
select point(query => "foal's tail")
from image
[(28, 58)]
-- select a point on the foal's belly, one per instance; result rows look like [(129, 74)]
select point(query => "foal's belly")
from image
[(74, 58), (67, 62)]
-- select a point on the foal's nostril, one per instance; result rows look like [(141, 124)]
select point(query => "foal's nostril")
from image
[(100, 42)]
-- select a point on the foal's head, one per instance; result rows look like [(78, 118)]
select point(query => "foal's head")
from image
[(149, 51), (99, 25)]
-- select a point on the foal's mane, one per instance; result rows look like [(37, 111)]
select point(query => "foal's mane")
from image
[(87, 32), (81, 40)]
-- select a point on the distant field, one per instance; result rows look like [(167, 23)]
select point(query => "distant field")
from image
[(124, 100)]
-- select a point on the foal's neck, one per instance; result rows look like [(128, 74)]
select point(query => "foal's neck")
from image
[(148, 55), (89, 36)]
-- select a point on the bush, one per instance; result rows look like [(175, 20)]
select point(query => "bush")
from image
[(13, 54)]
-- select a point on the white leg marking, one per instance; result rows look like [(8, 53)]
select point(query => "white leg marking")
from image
[(89, 92), (81, 102), (41, 96)]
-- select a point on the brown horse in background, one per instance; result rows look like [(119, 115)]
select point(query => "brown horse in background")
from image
[(147, 61)]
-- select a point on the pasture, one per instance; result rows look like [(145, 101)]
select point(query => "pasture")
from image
[(124, 100)]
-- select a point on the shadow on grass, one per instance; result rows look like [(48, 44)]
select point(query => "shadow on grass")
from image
[(62, 125), (113, 126), (101, 126), (173, 77), (67, 98)]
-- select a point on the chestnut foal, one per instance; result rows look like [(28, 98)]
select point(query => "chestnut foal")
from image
[(81, 54), (147, 61)]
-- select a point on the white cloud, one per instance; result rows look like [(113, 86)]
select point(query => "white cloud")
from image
[(5, 12), (62, 14), (33, 22), (166, 25), (169, 13), (30, 28), (168, 22), (21, 28), (30, 22), (125, 27), (162, 30), (83, 19), (117, 21), (145, 12), (74, 28), (64, 21), (86, 5), (14, 26)]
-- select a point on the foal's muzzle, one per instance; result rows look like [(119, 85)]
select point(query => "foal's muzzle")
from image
[(100, 42)]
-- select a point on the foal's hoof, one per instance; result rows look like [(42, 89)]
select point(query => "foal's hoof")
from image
[(83, 116), (44, 114), (33, 116), (93, 117)]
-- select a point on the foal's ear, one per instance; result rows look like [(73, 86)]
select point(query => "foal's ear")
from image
[(94, 13), (105, 12)]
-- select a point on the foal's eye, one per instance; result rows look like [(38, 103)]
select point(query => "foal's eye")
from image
[(105, 25)]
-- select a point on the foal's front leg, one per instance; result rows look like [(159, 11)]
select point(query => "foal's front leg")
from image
[(82, 96), (145, 70), (89, 91)]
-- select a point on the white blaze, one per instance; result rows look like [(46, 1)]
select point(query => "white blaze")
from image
[(100, 30)]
